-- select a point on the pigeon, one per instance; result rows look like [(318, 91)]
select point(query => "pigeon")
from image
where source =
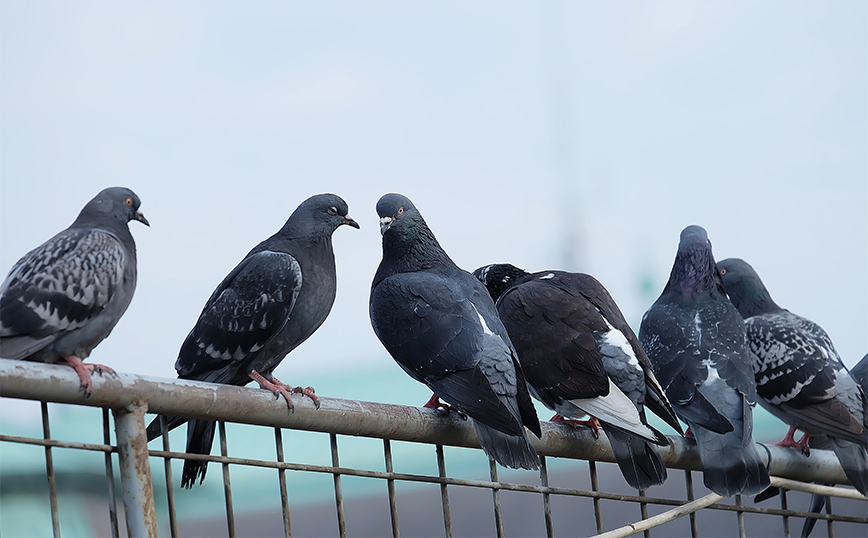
[(697, 344), (273, 300), (440, 325), (65, 296), (818, 502), (799, 376), (581, 357)]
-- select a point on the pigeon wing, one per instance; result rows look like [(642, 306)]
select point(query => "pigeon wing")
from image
[(59, 287), (554, 330), (244, 313), (439, 338)]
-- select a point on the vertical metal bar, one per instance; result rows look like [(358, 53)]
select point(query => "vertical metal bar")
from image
[(227, 485), (547, 505), (138, 492), (829, 523), (390, 484), (444, 495), (49, 471), (598, 515), (281, 478), (786, 519), (643, 510), (109, 475), (740, 515), (495, 494), (339, 496), (688, 478), (170, 489)]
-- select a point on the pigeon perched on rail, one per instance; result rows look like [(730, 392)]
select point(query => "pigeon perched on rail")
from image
[(696, 341), (279, 294), (580, 357), (440, 325), (860, 374), (799, 376), (65, 296)]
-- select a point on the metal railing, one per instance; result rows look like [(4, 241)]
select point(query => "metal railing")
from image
[(130, 397)]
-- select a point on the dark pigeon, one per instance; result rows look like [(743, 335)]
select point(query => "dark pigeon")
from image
[(279, 294), (440, 325), (580, 357), (800, 377), (65, 296), (697, 344)]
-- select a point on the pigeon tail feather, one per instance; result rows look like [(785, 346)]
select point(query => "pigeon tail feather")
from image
[(200, 437), (854, 461), (730, 466), (640, 463), (514, 451)]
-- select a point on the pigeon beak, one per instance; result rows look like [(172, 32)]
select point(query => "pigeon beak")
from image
[(350, 222), (141, 218), (385, 224)]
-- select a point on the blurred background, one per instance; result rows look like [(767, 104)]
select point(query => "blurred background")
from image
[(553, 135)]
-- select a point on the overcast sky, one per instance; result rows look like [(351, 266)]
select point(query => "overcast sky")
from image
[(513, 126)]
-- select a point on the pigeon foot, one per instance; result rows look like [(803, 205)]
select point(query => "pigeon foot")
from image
[(790, 442), (84, 370), (276, 387), (436, 403), (592, 423), (307, 391)]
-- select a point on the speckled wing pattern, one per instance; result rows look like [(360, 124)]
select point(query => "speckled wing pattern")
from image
[(59, 287), (790, 352), (244, 313)]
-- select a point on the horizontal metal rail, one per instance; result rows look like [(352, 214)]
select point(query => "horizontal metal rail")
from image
[(44, 382)]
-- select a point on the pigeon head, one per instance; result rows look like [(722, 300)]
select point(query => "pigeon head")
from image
[(499, 277), (114, 203), (321, 214), (745, 288), (694, 271), (408, 243), (398, 212)]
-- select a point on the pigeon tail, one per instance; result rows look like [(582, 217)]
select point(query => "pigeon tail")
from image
[(514, 451), (854, 461), (818, 502), (200, 437), (640, 463), (730, 466)]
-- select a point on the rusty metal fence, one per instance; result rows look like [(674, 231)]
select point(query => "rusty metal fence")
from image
[(125, 399)]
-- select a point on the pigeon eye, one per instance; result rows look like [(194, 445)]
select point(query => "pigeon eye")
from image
[(128, 201), (401, 211), (333, 210), (722, 272)]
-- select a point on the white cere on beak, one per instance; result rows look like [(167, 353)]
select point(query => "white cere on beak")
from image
[(385, 222)]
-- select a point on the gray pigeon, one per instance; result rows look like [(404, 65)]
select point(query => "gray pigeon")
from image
[(65, 296), (697, 344), (581, 357), (860, 374), (440, 325), (273, 300), (800, 377)]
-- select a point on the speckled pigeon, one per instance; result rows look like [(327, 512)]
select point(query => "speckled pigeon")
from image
[(440, 325), (800, 377), (279, 294), (697, 344), (860, 374), (580, 357), (65, 296)]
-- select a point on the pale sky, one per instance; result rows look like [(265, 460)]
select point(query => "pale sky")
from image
[(511, 125)]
